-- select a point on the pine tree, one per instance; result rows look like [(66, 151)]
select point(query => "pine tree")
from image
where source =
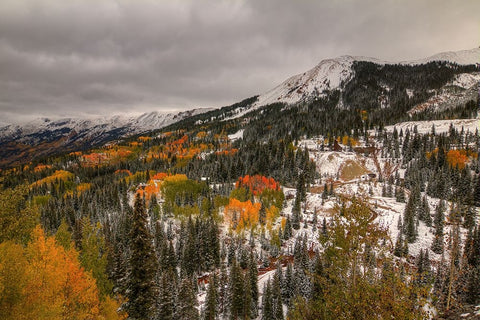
[(252, 277), (211, 299), (223, 291), (267, 302), (296, 213), (141, 290), (324, 228), (409, 224), (439, 221), (166, 297), (315, 221), (398, 250), (237, 292), (186, 302), (277, 294), (287, 233), (288, 288), (425, 208), (476, 195)]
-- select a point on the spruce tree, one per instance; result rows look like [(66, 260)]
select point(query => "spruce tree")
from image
[(186, 302), (142, 290), (277, 294), (287, 233), (409, 224), (211, 299), (237, 292), (166, 298), (296, 213), (267, 302), (252, 277), (439, 221)]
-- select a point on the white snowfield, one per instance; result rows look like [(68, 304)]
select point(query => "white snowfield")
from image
[(441, 126), (466, 80)]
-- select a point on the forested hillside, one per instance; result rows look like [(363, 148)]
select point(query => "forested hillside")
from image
[(314, 210)]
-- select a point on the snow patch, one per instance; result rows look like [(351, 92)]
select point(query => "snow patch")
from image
[(441, 126), (237, 135)]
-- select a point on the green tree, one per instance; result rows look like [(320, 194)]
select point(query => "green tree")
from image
[(237, 292), (17, 216), (211, 299), (142, 289), (93, 256), (187, 301), (349, 286)]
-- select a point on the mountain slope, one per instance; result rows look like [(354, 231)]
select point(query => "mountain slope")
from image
[(43, 137), (333, 74), (463, 57), (347, 83)]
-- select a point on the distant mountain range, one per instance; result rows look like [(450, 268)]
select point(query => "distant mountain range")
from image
[(42, 137)]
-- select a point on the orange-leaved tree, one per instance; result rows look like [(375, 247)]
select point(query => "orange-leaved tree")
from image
[(257, 183), (242, 214)]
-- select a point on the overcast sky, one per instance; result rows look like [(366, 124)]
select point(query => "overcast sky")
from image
[(68, 58)]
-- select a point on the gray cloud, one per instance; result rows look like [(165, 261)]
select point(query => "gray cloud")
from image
[(102, 57)]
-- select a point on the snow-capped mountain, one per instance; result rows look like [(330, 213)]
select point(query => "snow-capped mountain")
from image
[(32, 130), (41, 137), (464, 57), (333, 74)]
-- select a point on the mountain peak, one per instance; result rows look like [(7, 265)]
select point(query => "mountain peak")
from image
[(331, 74), (470, 56)]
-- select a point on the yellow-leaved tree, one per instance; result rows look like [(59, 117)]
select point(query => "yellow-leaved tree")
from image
[(45, 281)]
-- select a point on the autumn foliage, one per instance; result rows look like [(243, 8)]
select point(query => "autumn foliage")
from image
[(242, 215), (457, 158), (45, 281), (41, 167), (257, 183), (57, 176)]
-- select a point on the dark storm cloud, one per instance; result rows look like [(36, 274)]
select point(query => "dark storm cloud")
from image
[(102, 57)]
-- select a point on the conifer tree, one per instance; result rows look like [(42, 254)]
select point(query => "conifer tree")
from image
[(165, 308), (296, 213), (267, 302), (223, 292), (439, 221), (142, 290), (237, 292), (277, 294), (186, 302), (211, 305), (252, 277), (425, 209), (409, 224), (287, 233)]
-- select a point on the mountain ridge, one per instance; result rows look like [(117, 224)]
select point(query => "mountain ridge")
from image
[(43, 137), (332, 73)]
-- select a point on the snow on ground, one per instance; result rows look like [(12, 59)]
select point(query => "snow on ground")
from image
[(466, 80), (237, 135), (464, 57), (441, 126), (409, 93)]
